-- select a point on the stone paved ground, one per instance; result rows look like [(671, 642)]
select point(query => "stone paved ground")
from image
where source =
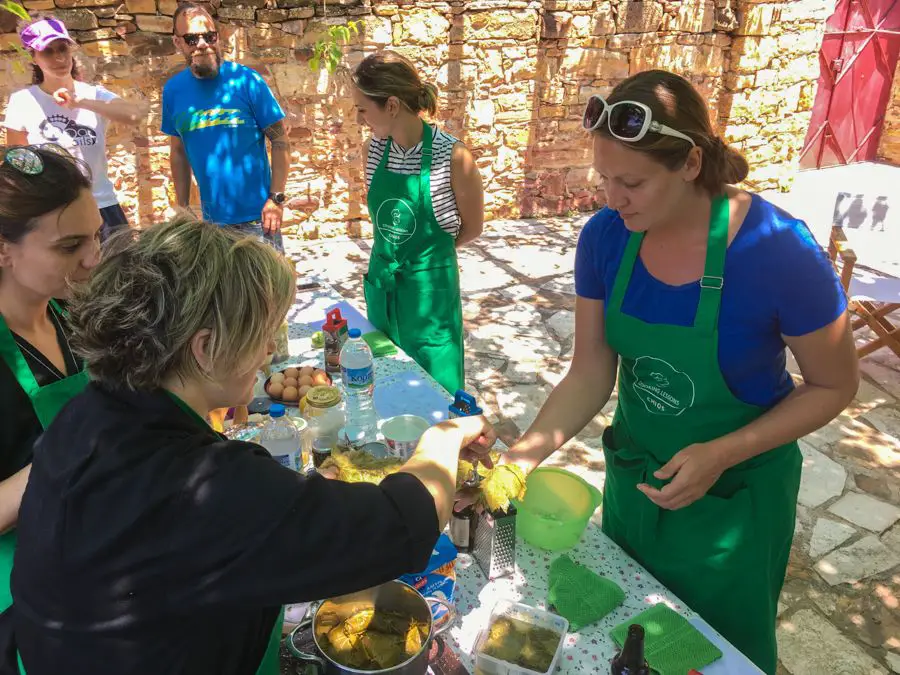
[(839, 613)]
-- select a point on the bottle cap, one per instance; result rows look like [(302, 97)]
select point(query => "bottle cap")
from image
[(323, 396), (354, 333), (276, 410)]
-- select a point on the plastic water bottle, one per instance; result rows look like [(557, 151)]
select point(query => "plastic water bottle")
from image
[(358, 376), (282, 439)]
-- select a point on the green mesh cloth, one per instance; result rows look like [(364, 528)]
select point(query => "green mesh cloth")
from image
[(379, 343), (579, 595), (672, 646)]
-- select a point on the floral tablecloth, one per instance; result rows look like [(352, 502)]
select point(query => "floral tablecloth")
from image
[(588, 651)]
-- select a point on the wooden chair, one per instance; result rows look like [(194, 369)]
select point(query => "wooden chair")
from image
[(872, 297)]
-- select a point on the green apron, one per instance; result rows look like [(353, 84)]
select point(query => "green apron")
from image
[(726, 554), (47, 401), (412, 286), (271, 661)]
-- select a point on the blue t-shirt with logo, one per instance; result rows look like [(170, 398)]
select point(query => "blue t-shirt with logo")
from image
[(778, 281), (220, 122)]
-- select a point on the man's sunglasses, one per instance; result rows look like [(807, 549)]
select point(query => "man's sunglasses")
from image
[(25, 158), (193, 39), (627, 121)]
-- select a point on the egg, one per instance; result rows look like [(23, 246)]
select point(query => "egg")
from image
[(304, 381), (290, 382), (320, 379), (277, 378), (307, 370), (276, 389), (290, 394), (290, 372), (303, 390)]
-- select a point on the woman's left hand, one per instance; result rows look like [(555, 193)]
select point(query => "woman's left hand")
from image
[(693, 471)]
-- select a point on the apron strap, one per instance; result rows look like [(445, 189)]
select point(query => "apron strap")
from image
[(712, 281), (626, 267), (425, 168), (12, 356), (59, 310)]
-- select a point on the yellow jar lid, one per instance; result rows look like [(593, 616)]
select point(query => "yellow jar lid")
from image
[(323, 396)]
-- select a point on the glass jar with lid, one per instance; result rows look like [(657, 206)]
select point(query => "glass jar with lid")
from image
[(324, 413)]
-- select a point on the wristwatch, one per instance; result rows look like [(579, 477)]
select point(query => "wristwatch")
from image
[(277, 197)]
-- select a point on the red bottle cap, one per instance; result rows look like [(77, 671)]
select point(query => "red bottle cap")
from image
[(334, 320)]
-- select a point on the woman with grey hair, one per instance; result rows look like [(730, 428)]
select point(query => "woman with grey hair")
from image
[(148, 543)]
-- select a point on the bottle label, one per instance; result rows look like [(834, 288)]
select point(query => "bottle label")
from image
[(358, 377), (290, 461)]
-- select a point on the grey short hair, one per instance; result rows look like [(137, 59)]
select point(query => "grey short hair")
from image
[(133, 321)]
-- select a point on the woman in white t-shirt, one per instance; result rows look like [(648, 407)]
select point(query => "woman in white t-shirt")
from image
[(59, 108)]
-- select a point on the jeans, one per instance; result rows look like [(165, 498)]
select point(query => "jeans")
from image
[(254, 228), (113, 220)]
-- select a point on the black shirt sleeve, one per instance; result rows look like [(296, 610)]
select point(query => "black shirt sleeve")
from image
[(21, 427), (255, 533)]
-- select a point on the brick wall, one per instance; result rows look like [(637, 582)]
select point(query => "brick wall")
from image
[(513, 75)]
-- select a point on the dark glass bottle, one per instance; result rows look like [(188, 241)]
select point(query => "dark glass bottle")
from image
[(630, 661), (462, 529)]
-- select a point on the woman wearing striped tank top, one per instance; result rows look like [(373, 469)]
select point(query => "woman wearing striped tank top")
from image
[(425, 199)]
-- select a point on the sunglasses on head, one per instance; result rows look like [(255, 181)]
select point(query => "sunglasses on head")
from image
[(25, 158), (627, 121), (193, 39)]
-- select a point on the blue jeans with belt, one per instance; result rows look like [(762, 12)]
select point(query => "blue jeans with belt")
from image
[(254, 228)]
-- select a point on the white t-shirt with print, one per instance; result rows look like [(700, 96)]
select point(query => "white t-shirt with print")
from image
[(81, 132)]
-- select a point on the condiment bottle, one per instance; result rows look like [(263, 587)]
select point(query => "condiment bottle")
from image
[(335, 331), (630, 661), (462, 523)]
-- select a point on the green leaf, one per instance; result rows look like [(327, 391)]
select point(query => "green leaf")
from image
[(16, 9), (344, 33), (314, 63)]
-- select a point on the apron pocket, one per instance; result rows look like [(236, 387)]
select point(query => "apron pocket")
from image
[(713, 535), (428, 316), (623, 503), (376, 306)]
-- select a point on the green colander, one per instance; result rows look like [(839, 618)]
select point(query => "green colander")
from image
[(556, 509)]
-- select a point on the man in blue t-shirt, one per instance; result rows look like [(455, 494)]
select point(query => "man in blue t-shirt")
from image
[(217, 114)]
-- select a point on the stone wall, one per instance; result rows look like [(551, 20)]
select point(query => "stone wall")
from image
[(514, 76), (889, 146)]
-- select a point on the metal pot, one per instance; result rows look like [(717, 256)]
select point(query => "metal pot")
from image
[(393, 596)]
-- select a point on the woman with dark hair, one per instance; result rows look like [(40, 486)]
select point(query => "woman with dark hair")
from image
[(693, 289), (425, 200), (49, 229), (60, 108)]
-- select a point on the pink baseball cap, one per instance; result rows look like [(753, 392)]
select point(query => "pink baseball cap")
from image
[(40, 34)]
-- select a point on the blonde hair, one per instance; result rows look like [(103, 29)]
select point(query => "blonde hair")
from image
[(385, 74), (154, 290)]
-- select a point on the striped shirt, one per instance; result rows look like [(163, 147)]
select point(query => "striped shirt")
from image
[(408, 162)]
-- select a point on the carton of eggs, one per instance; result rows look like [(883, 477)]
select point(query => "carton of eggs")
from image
[(290, 385)]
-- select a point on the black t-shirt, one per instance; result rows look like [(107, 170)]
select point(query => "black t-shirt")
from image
[(21, 427), (149, 544)]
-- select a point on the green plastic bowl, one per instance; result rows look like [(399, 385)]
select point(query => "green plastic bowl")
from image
[(556, 509)]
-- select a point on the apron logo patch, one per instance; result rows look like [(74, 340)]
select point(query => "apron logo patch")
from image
[(395, 220), (663, 389)]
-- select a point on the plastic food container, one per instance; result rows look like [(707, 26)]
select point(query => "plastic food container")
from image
[(488, 665), (556, 509)]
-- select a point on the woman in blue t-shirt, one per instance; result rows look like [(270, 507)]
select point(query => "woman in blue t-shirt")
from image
[(692, 289)]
